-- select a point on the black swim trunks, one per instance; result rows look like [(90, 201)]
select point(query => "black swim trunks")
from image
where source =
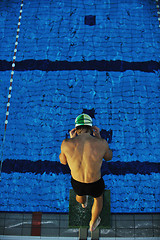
[(94, 189)]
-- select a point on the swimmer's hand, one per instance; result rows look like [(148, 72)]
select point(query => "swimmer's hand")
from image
[(72, 133), (96, 132)]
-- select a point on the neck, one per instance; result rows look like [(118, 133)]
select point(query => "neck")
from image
[(83, 132)]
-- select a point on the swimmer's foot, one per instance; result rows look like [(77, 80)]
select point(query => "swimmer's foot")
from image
[(95, 225), (86, 202)]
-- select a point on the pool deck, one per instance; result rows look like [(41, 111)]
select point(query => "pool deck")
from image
[(55, 226)]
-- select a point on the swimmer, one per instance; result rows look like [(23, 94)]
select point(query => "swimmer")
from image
[(84, 153)]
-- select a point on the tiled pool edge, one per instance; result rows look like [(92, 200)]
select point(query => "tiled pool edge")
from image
[(132, 226)]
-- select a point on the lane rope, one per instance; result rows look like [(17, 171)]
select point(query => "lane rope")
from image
[(10, 87), (158, 10)]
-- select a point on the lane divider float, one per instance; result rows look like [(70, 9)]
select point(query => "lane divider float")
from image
[(158, 10), (10, 87)]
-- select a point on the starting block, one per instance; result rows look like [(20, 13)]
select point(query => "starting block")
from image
[(80, 217)]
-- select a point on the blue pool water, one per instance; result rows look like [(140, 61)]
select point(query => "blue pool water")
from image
[(74, 56), (50, 193)]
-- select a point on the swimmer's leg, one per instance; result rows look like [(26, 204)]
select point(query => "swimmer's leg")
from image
[(82, 200), (96, 210)]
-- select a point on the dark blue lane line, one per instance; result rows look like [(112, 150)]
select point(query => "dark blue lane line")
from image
[(115, 168), (103, 65)]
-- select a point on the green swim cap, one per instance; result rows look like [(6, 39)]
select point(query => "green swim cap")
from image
[(83, 119)]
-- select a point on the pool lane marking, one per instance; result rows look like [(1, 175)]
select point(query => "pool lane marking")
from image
[(36, 224)]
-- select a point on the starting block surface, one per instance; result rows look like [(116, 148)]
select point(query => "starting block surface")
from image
[(80, 217)]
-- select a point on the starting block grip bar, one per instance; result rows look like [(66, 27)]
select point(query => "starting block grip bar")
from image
[(83, 232), (95, 234)]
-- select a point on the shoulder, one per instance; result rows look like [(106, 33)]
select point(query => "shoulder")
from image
[(100, 141), (104, 143), (66, 142)]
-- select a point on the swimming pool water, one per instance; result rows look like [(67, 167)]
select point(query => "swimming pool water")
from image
[(64, 67)]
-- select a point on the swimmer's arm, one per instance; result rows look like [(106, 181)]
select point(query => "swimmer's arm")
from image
[(62, 156), (96, 132), (108, 154)]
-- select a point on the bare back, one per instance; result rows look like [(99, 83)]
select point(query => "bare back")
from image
[(84, 155)]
